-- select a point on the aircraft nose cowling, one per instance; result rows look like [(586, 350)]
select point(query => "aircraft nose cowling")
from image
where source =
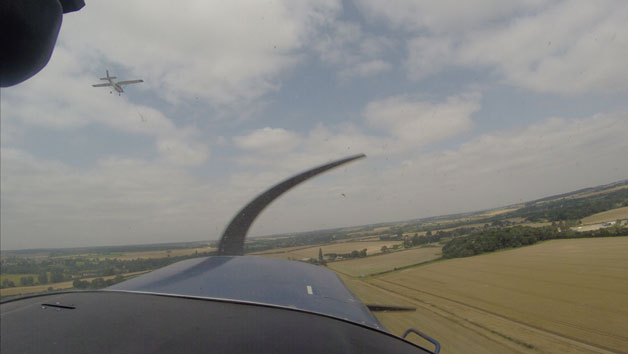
[(256, 279)]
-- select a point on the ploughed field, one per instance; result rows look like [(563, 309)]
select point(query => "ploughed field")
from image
[(554, 297)]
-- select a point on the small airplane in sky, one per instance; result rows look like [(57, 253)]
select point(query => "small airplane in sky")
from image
[(116, 85)]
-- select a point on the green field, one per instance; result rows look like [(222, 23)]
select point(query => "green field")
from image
[(554, 297), (386, 262)]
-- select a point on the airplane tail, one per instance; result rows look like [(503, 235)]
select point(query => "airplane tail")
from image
[(108, 77)]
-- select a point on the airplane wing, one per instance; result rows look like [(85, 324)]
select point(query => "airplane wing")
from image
[(129, 82), (102, 85)]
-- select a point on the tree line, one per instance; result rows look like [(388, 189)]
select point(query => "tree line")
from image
[(513, 237), (301, 239), (96, 283), (349, 255), (55, 270), (573, 209)]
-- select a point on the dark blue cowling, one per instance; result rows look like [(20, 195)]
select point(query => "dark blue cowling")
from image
[(256, 279)]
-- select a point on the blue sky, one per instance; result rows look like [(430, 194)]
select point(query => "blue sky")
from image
[(459, 107)]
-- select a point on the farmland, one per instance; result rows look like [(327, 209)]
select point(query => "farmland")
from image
[(15, 277), (372, 247), (562, 295), (609, 215), (26, 290), (124, 256), (386, 262), (554, 297)]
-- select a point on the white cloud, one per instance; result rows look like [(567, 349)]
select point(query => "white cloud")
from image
[(417, 122), (365, 69), (226, 52), (554, 156), (574, 47), (567, 47), (268, 140), (404, 125), (495, 169), (179, 152), (445, 15), (354, 52), (429, 55), (117, 201)]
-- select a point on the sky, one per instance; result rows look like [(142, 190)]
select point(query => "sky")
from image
[(459, 106)]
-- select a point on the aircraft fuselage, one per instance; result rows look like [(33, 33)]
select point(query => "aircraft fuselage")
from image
[(115, 86)]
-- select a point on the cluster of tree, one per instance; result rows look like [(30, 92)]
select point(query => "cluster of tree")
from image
[(107, 250), (573, 209), (40, 279), (97, 283), (26, 281), (350, 255), (417, 240), (301, 239), (496, 239), (437, 236), (390, 237), (386, 249), (6, 283), (55, 270), (499, 223)]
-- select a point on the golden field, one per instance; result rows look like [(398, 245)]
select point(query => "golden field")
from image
[(558, 296), (386, 262), (605, 216)]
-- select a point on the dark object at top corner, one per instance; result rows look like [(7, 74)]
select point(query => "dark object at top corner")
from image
[(71, 5), (29, 33)]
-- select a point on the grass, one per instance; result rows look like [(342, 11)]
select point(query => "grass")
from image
[(554, 297), (605, 216), (386, 262)]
